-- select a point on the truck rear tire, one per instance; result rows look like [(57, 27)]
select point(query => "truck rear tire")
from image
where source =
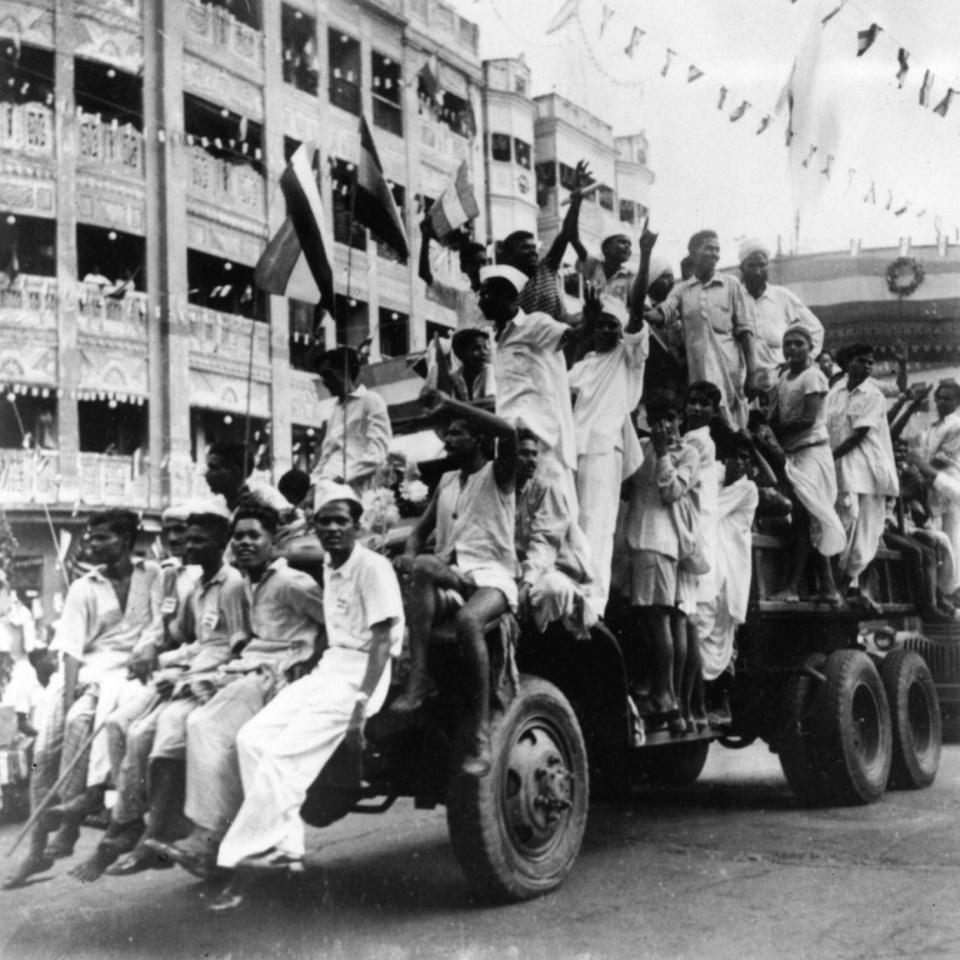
[(854, 733), (799, 752), (915, 716), (516, 832)]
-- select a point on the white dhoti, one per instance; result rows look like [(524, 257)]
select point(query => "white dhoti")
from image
[(556, 596), (948, 522), (286, 745), (113, 692), (863, 516), (214, 790), (813, 476), (598, 488)]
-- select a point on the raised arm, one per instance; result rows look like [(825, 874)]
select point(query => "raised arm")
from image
[(570, 231), (638, 293)]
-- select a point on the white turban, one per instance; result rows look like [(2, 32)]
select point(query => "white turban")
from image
[(658, 267), (516, 278), (749, 247), (175, 512), (207, 506), (329, 492)]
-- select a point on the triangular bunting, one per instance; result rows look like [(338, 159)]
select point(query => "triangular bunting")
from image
[(693, 73)]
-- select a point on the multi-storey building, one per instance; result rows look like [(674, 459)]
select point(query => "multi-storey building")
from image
[(141, 142)]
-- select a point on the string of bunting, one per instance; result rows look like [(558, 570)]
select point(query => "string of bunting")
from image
[(737, 107)]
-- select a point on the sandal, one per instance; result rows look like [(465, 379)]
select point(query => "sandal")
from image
[(272, 860)]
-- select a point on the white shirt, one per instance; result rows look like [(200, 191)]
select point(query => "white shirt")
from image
[(533, 389), (359, 594), (776, 309), (364, 431), (609, 387), (870, 466)]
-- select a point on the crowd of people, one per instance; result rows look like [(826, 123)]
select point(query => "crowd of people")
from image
[(609, 464)]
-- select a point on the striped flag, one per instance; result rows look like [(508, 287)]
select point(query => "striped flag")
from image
[(296, 262), (925, 88), (866, 38), (373, 203), (455, 206)]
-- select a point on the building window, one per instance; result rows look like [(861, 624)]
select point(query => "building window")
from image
[(399, 197), (387, 108), (457, 114), (306, 333), (218, 426), (223, 286), (110, 260), (394, 333), (437, 330), (28, 245), (353, 321), (26, 73), (298, 38), (345, 228), (568, 177), (223, 134), (305, 446), (344, 71), (546, 174), (113, 95), (111, 427), (246, 11), (28, 422), (605, 196), (500, 147), (628, 211), (521, 151)]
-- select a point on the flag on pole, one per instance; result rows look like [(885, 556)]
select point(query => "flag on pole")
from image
[(944, 105), (455, 206), (740, 111), (373, 203), (903, 66), (296, 262), (636, 35), (925, 88), (866, 38)]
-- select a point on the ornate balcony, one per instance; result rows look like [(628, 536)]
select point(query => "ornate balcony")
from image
[(113, 480), (110, 147), (29, 476), (27, 128), (217, 26), (226, 336), (441, 140), (101, 316), (30, 302), (235, 186)]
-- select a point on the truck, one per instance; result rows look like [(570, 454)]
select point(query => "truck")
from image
[(843, 698)]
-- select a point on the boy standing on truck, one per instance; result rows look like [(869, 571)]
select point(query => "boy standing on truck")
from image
[(670, 471)]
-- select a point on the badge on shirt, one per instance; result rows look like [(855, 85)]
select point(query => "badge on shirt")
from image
[(210, 619), (168, 606)]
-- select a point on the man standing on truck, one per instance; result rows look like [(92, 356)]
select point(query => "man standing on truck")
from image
[(472, 513)]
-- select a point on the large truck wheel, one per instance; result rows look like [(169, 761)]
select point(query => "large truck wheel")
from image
[(854, 733), (517, 831), (915, 716), (798, 750)]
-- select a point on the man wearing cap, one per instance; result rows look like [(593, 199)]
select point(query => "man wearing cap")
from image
[(533, 389), (774, 309), (283, 749), (710, 313), (358, 430), (148, 734), (608, 383), (105, 613), (285, 621), (540, 291), (472, 513)]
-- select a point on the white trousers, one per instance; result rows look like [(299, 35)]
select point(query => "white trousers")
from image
[(863, 516), (598, 488), (283, 748), (555, 596), (949, 523), (114, 691)]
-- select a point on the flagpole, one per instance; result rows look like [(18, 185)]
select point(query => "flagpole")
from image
[(353, 199), (246, 430)]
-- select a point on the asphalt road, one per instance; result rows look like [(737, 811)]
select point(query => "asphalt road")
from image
[(729, 868)]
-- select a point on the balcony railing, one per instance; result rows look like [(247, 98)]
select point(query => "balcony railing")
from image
[(227, 335), (232, 185), (31, 300), (113, 480), (219, 27), (442, 140), (33, 476), (29, 476), (27, 128), (109, 146), (100, 315)]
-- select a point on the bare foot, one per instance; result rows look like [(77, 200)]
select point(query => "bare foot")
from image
[(93, 867), (33, 862), (786, 596), (413, 697)]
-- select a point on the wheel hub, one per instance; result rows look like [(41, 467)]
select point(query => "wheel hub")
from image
[(538, 789)]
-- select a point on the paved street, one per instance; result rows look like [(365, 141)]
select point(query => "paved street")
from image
[(728, 868)]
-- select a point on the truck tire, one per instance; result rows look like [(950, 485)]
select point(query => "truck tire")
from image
[(799, 753), (854, 733), (676, 766), (517, 831), (915, 716)]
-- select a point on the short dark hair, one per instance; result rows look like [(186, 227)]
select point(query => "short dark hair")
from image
[(124, 523), (294, 485), (699, 238), (518, 236), (706, 389), (232, 454), (338, 358), (470, 249), (525, 435), (662, 403), (858, 350), (463, 339), (951, 385), (251, 508), (214, 523)]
